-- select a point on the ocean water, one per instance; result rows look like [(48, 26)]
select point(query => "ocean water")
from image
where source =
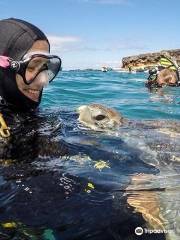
[(60, 181), (122, 91)]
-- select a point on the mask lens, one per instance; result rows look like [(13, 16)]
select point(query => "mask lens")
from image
[(53, 67), (45, 67)]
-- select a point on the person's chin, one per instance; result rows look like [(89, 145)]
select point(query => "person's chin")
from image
[(32, 94)]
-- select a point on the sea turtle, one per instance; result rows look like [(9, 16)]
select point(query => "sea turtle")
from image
[(47, 175), (70, 159), (99, 117), (159, 142)]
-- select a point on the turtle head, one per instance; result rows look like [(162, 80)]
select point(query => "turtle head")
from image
[(99, 117)]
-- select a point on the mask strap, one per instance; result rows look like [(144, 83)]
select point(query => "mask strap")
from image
[(4, 62)]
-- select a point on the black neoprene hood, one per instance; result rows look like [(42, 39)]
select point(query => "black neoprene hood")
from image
[(16, 38)]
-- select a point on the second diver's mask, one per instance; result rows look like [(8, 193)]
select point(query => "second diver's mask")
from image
[(34, 65)]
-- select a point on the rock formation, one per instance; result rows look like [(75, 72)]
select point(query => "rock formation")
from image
[(145, 61)]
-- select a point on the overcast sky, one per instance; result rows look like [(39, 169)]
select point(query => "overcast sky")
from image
[(91, 33)]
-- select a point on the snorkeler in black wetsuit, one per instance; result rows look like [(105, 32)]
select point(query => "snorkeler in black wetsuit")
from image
[(26, 66)]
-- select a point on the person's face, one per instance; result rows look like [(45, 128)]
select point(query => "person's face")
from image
[(33, 90), (166, 78)]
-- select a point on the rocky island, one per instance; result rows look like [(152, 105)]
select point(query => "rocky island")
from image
[(148, 60)]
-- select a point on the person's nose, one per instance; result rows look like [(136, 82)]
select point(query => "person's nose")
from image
[(42, 79)]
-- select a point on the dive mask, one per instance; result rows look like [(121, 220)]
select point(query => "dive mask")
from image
[(153, 74), (34, 65)]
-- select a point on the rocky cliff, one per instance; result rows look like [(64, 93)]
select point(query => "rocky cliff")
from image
[(149, 59)]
